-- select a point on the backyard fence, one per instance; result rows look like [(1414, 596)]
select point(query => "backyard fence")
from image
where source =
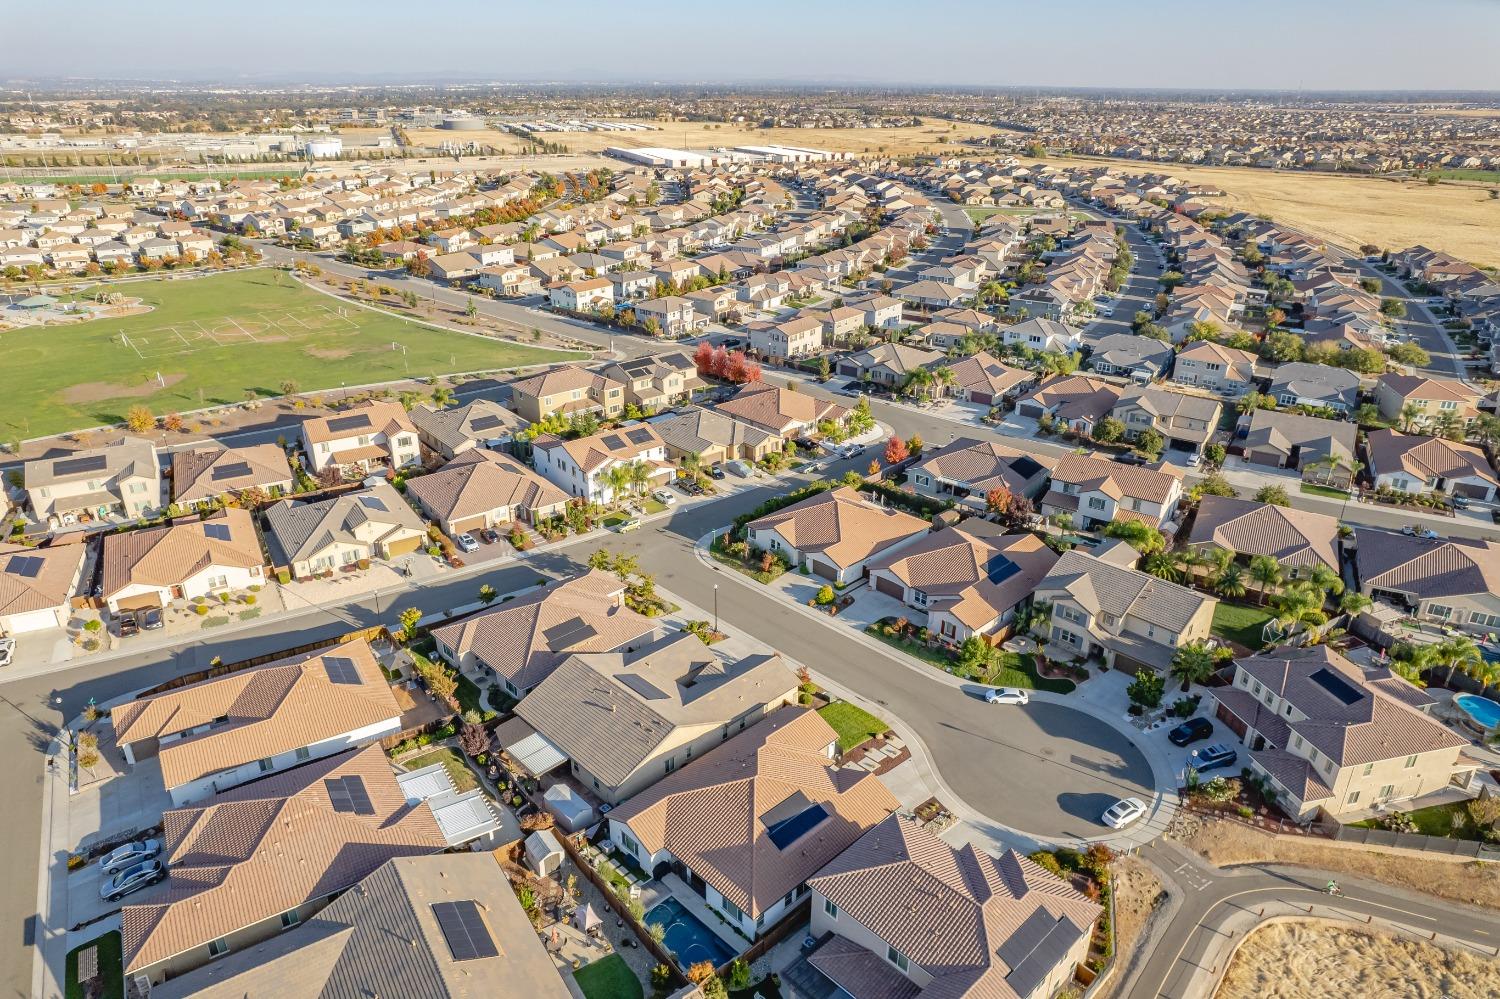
[(1415, 841), (796, 918)]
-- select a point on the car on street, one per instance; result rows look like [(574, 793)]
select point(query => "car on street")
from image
[(129, 855), (633, 524), (147, 872), (1213, 757), (489, 535), (1413, 531), (1191, 731), (127, 624), (466, 543), (151, 618), (1006, 695), (7, 650), (1123, 812), (665, 496)]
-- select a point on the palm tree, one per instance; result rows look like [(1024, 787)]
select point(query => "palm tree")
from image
[(1266, 573), (1458, 653), (618, 478), (945, 379), (1353, 601), (1193, 663), (1230, 582), (1486, 673), (640, 476), (1409, 414), (1327, 580), (441, 396), (1297, 605), (1162, 566), (919, 381)]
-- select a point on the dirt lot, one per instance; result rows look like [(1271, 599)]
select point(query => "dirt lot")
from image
[(703, 134), (1228, 843), (1137, 892), (1458, 217), (1315, 960)]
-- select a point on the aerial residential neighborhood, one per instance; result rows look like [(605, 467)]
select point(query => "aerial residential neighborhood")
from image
[(490, 513)]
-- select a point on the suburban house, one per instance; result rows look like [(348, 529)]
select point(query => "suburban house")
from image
[(1323, 450), (482, 488), (1131, 619), (583, 296), (970, 579), (903, 914), (310, 539), (1138, 357), (968, 469), (212, 474), (567, 390), (624, 720), (583, 466), (713, 436), (1076, 402), (1043, 335), (219, 733), (1419, 402), (441, 925), (1096, 491), (798, 337), (365, 437), (519, 643), (254, 860), (37, 586), (1186, 422), (449, 433), (745, 825), (1412, 463), (122, 478), (1316, 386), (1299, 540), (835, 533), (654, 382), (183, 560), (1454, 582), (1213, 366), (1337, 738), (675, 316), (981, 379), (887, 364), (780, 411)]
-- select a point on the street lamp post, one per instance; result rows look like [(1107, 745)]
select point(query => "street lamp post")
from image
[(716, 607)]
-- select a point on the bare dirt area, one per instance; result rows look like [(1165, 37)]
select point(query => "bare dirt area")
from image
[(930, 136), (328, 353), (99, 391), (1138, 892), (1229, 843), (1320, 960)]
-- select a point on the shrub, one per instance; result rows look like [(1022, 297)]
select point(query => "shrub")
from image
[(825, 596), (93, 625), (1047, 862), (200, 609), (250, 598), (739, 974), (283, 576)]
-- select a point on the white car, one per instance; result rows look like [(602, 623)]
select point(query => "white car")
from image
[(7, 650), (1123, 812), (466, 543), (1006, 695), (664, 496)]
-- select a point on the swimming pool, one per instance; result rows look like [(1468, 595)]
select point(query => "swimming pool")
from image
[(686, 936), (1484, 712)]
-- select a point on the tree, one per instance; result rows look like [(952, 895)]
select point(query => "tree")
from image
[(999, 499), (825, 595), (1458, 653), (1150, 443), (1215, 453), (1279, 345), (1274, 495), (1393, 307), (1214, 485), (1484, 811), (1353, 601), (1192, 663), (408, 399), (487, 594), (1141, 536), (1251, 401), (1109, 430), (914, 445), (441, 396), (599, 560), (1146, 689), (1229, 582), (473, 739), (1410, 354), (408, 620), (1162, 566), (895, 450), (139, 419), (1410, 414), (973, 655), (703, 359), (1266, 572)]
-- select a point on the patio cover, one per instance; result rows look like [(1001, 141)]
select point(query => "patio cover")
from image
[(527, 747)]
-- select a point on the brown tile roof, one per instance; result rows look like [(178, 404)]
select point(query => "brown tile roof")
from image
[(1075, 397), (1292, 537), (562, 379), (1426, 568), (265, 710), (714, 814), (1106, 588), (264, 848), (985, 465), (1426, 458), (777, 410), (975, 578), (378, 416), (478, 481), (1092, 473), (842, 525), (589, 453), (1421, 388), (24, 586), (200, 475), (169, 554), (982, 373)]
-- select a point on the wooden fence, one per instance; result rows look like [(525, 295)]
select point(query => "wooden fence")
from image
[(796, 917), (374, 633), (622, 909)]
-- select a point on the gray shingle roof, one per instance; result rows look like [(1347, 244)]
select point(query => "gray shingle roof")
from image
[(297, 530)]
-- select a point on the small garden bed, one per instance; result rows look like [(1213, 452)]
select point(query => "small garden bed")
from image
[(999, 668), (854, 725), (763, 567), (1450, 821), (1329, 491)]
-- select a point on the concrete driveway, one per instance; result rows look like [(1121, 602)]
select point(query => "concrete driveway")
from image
[(85, 905)]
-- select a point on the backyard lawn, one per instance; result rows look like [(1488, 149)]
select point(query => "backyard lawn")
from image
[(463, 777), (213, 340), (608, 978), (1240, 624), (1451, 820), (470, 697), (111, 980), (853, 724)]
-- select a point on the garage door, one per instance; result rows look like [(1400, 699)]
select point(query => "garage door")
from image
[(1473, 490), (824, 569), (890, 587), (404, 547), (31, 621), (467, 524), (1270, 458), (983, 398), (1030, 409), (1231, 719)]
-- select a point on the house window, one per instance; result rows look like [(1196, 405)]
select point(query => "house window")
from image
[(1439, 611), (919, 598), (266, 765), (1387, 790), (1369, 769), (218, 947), (290, 918), (1352, 799), (831, 909), (1296, 742), (896, 957), (1096, 503), (303, 753), (671, 764), (1411, 761)]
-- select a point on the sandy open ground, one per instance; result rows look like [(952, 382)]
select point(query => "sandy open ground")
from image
[(1305, 960), (922, 138)]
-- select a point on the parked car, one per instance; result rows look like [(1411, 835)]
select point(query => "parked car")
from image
[(664, 495), (1194, 460), (1123, 812), (1006, 695), (1191, 731), (717, 471), (1413, 531), (129, 855), (633, 524), (1459, 502), (466, 543), (1130, 458), (148, 872), (1214, 757), (151, 618), (489, 536), (7, 650), (127, 624)]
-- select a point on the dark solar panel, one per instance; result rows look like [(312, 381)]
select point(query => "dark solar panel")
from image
[(219, 531), (25, 565), (639, 436), (1025, 467), (1035, 949), (341, 670), (641, 686), (789, 830), (349, 422), (1000, 569), (568, 634), (614, 442), (234, 470), (487, 422), (464, 930), (348, 794), (1341, 689), (78, 466), (373, 503)]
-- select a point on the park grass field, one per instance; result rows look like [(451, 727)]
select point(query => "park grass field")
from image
[(212, 341)]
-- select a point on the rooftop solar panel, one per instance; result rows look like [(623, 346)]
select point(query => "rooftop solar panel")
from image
[(373, 503), (641, 685), (639, 436), (78, 466), (568, 634), (25, 565), (487, 422), (1340, 689), (1025, 467), (219, 532), (349, 422), (1000, 569), (340, 670), (614, 442), (464, 930), (789, 830), (348, 794), (1035, 948), (234, 470)]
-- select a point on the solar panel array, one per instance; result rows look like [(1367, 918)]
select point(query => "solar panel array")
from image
[(568, 634), (233, 470), (639, 436), (1025, 467), (487, 422), (373, 503), (348, 794), (25, 565), (1342, 690), (1034, 949), (340, 670), (217, 531), (789, 830), (77, 466), (1000, 569), (349, 422), (614, 442), (464, 929), (648, 690)]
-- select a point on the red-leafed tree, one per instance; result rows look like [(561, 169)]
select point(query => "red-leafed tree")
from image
[(720, 362), (735, 368), (703, 357), (895, 450), (752, 371)]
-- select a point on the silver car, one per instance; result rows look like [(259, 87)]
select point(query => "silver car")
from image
[(129, 855), (147, 872)]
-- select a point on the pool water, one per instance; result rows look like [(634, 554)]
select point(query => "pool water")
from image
[(1484, 711), (686, 936)]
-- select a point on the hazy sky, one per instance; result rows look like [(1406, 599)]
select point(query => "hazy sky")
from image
[(1231, 44)]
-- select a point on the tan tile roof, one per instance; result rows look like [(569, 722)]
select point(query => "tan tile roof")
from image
[(169, 554), (1421, 388), (713, 814), (1292, 537), (1427, 568), (958, 570), (1073, 397), (1106, 588), (982, 373), (265, 710), (478, 481), (379, 417), (1426, 457), (777, 410), (194, 472), (561, 379), (589, 453), (267, 847), (842, 525), (1090, 472), (50, 585)]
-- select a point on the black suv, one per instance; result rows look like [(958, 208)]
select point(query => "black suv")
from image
[(1191, 731)]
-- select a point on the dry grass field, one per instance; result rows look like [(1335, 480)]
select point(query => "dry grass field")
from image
[(1457, 217), (1305, 960), (922, 138)]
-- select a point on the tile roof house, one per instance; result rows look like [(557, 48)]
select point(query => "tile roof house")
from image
[(1317, 386), (1186, 422), (568, 389), (903, 915), (1412, 463), (188, 558), (405, 929), (624, 720), (519, 643), (221, 732), (1454, 582), (1096, 491), (482, 488), (1130, 618), (325, 535), (124, 477), (1434, 401), (778, 411), (211, 474), (1331, 735), (748, 823), (451, 432), (1299, 540), (713, 436), (1215, 367), (968, 469), (887, 364), (37, 586), (256, 859), (582, 466), (1323, 450), (1138, 357), (982, 379), (1046, 335), (375, 433), (969, 580), (656, 381), (1075, 401), (835, 533)]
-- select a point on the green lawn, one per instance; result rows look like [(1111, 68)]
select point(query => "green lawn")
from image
[(1329, 491), (1438, 820), (853, 724), (463, 777), (653, 506), (608, 978), (66, 377), (1241, 624), (1012, 670), (469, 697), (111, 968)]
